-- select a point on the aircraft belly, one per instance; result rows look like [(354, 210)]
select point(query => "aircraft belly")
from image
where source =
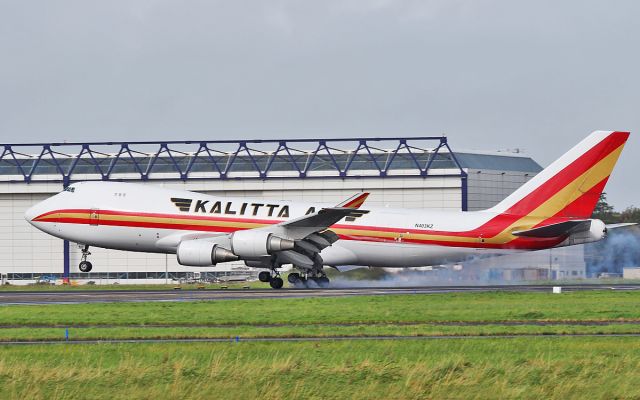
[(397, 255), (112, 237)]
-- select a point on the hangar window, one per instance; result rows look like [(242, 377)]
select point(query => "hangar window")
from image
[(12, 167), (45, 167), (285, 162)]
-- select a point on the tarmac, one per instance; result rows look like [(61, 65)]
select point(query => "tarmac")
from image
[(119, 296)]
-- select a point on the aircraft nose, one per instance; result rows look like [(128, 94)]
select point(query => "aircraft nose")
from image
[(30, 214), (34, 212)]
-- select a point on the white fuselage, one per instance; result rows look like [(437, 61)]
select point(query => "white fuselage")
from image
[(143, 218)]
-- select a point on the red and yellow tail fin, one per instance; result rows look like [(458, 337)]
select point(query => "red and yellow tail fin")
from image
[(571, 186)]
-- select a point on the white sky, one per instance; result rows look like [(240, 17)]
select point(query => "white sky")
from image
[(537, 75)]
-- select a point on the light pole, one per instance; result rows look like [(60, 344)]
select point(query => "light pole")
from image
[(166, 269)]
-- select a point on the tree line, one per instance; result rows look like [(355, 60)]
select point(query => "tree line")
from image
[(605, 212)]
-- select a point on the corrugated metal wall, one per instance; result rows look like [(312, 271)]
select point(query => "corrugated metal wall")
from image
[(487, 188)]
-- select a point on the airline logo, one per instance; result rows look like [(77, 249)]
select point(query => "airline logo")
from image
[(258, 209), (182, 204), (229, 208)]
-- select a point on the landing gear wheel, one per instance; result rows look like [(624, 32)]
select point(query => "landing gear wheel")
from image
[(322, 281), (264, 276), (276, 282), (293, 278), (85, 266)]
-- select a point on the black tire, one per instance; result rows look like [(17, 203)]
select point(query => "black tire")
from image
[(293, 278), (85, 266), (276, 282), (264, 276), (323, 281)]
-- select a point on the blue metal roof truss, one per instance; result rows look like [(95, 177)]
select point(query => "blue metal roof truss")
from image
[(335, 157)]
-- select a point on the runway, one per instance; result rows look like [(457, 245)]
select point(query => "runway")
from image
[(119, 296)]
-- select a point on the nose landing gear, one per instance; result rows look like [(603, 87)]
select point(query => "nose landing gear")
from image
[(85, 266)]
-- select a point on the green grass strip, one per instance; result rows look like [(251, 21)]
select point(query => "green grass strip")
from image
[(30, 334), (420, 308)]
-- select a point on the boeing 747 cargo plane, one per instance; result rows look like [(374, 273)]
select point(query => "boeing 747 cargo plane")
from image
[(551, 210)]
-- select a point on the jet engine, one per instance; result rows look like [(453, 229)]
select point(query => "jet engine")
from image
[(254, 243), (203, 253)]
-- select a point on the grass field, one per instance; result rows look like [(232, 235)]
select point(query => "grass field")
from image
[(476, 367), (567, 368)]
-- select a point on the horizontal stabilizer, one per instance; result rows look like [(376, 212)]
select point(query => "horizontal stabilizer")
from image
[(618, 226), (555, 230)]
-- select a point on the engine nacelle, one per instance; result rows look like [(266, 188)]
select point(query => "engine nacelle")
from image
[(253, 243), (597, 231), (202, 253)]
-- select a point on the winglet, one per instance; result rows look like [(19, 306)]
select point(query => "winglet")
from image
[(354, 201)]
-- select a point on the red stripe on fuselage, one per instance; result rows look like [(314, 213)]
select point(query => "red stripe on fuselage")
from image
[(159, 215), (143, 224), (522, 243)]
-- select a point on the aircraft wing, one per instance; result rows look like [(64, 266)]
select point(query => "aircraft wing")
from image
[(298, 241), (556, 230), (301, 227), (321, 219), (310, 233)]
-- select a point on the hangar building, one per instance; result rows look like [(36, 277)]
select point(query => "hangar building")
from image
[(415, 172)]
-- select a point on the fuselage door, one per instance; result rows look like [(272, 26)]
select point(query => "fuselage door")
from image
[(94, 216)]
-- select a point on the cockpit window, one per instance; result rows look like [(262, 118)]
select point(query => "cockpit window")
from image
[(70, 189)]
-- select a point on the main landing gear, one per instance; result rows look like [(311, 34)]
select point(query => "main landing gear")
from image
[(85, 266), (273, 277), (309, 280)]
